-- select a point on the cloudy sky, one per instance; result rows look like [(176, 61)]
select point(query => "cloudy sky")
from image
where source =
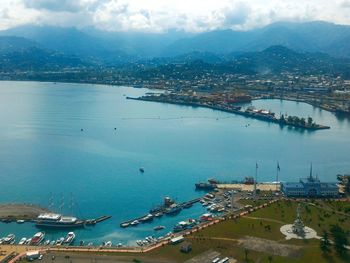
[(161, 15)]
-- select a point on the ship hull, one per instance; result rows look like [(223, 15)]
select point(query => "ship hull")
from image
[(59, 226)]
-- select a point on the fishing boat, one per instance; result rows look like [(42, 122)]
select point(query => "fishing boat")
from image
[(69, 238)]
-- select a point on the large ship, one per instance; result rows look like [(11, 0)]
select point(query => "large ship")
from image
[(52, 220)]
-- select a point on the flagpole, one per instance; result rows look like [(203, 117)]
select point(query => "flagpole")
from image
[(277, 173), (256, 178)]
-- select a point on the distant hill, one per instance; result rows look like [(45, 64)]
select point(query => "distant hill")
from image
[(312, 37), (119, 47), (10, 44), (37, 59), (278, 59)]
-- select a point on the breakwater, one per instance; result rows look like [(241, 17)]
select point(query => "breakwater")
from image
[(268, 117)]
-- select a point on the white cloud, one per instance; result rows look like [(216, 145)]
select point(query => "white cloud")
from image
[(160, 15)]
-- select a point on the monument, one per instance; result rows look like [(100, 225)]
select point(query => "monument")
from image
[(298, 230)]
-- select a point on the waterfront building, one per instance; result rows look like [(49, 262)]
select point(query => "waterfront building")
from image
[(310, 187)]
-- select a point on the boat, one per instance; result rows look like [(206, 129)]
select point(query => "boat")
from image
[(108, 244), (52, 243), (20, 221), (181, 226), (47, 242), (126, 224), (59, 241), (52, 220), (206, 217), (173, 210), (142, 170), (134, 223), (28, 241), (159, 214), (9, 239), (157, 228), (69, 238), (37, 238), (205, 186), (22, 241), (146, 218)]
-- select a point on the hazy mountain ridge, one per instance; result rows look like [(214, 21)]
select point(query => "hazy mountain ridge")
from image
[(130, 46)]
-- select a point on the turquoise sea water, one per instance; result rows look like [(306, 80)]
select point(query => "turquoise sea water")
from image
[(43, 151)]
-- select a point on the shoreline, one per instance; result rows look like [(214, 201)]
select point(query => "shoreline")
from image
[(10, 212)]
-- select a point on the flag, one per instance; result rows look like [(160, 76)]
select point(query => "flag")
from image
[(278, 166)]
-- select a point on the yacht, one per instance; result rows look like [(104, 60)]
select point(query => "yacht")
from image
[(69, 238), (37, 238), (52, 220)]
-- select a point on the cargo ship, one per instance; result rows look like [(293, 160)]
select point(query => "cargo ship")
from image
[(52, 220)]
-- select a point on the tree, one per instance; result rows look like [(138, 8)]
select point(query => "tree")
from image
[(309, 121), (269, 258), (325, 244), (340, 239)]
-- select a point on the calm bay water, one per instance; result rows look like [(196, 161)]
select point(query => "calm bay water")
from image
[(43, 151)]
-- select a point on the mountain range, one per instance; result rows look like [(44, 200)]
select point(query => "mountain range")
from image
[(111, 47)]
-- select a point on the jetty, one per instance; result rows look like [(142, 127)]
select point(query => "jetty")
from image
[(160, 210)]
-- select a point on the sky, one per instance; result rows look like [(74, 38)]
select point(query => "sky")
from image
[(163, 15)]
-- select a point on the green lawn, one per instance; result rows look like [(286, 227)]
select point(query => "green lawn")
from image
[(222, 237)]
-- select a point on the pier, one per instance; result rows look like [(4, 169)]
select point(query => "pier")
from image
[(160, 209)]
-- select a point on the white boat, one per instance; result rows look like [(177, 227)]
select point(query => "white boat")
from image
[(20, 221), (52, 243), (47, 242), (22, 241), (28, 241), (69, 238), (108, 244), (134, 223), (9, 239), (59, 241)]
